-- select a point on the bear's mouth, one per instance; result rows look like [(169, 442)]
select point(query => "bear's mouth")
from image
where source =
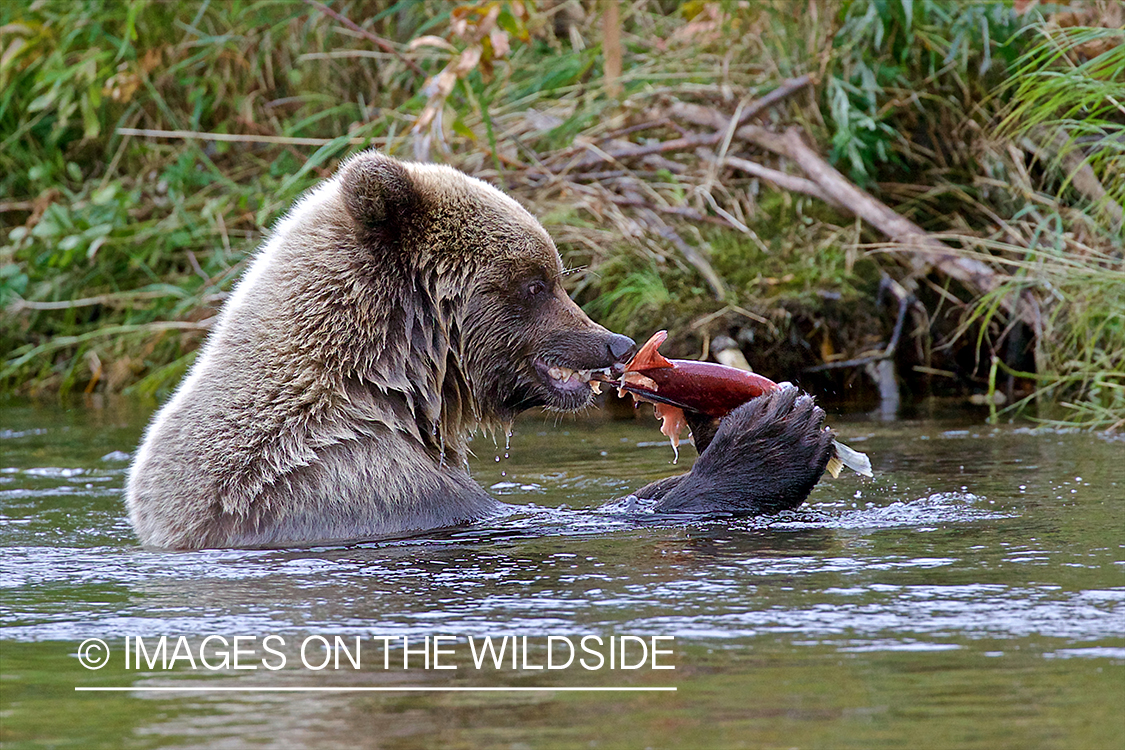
[(570, 367), (566, 380)]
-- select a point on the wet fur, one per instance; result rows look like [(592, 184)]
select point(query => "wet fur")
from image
[(764, 457), (395, 309)]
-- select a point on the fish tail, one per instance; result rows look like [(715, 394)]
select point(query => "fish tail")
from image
[(852, 459)]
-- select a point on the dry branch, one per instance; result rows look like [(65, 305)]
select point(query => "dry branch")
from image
[(682, 211), (592, 157), (787, 88), (120, 299), (1082, 175), (751, 110), (282, 140), (784, 181), (926, 251), (611, 47), (974, 274), (823, 181), (921, 251)]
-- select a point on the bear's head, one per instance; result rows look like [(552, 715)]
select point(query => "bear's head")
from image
[(478, 284)]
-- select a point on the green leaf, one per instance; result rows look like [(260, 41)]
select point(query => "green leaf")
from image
[(43, 101)]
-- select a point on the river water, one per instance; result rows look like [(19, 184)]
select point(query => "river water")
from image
[(972, 595)]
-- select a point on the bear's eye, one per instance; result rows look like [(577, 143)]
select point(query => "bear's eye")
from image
[(536, 287)]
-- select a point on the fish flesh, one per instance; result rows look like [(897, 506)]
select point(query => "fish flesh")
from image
[(675, 385)]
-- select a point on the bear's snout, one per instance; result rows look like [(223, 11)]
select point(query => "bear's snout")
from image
[(620, 347), (591, 349)]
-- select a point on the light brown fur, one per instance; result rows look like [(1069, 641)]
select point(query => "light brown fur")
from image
[(395, 309)]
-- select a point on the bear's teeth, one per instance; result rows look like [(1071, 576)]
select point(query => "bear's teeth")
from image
[(565, 374), (560, 373), (596, 386)]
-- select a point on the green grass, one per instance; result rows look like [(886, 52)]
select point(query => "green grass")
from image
[(966, 117)]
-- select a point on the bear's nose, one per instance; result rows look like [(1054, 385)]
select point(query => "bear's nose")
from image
[(619, 346)]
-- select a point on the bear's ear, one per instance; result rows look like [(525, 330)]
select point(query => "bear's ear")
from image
[(377, 189)]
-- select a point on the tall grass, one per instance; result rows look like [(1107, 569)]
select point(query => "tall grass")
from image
[(157, 230), (1073, 107), (1065, 107), (115, 249)]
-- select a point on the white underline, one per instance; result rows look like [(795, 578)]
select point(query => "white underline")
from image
[(339, 689)]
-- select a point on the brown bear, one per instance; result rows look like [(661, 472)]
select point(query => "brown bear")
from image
[(393, 311)]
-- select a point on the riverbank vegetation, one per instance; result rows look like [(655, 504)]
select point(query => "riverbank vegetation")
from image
[(866, 196)]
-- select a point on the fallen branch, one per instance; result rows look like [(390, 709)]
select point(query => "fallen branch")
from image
[(283, 140), (792, 183), (787, 88), (684, 211), (639, 127), (974, 274), (123, 298), (592, 157), (751, 110)]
